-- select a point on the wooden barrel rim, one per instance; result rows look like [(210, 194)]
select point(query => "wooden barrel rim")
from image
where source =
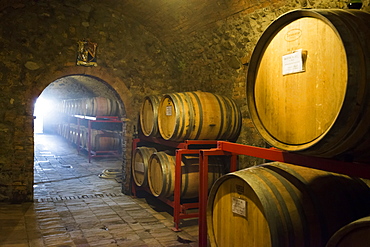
[(200, 112), (298, 181), (164, 134), (163, 161), (149, 127), (292, 209), (180, 119), (258, 191), (328, 18), (345, 230), (145, 153), (273, 29), (356, 18), (258, 183), (233, 130)]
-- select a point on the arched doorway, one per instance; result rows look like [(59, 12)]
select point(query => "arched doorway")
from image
[(66, 174)]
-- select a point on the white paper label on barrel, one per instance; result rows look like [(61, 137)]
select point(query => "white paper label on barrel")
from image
[(239, 206), (293, 63), (169, 110), (139, 167)]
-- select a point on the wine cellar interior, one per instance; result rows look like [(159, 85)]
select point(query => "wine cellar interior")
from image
[(185, 123)]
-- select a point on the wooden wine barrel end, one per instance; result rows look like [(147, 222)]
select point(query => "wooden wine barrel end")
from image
[(198, 116), (227, 228), (140, 165), (161, 174), (307, 80), (356, 233), (278, 204), (168, 117), (149, 116)]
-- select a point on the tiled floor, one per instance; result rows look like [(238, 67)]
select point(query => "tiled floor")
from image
[(75, 207)]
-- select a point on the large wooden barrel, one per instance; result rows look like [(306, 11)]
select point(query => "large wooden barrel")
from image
[(161, 174), (101, 106), (198, 116), (356, 233), (149, 116), (278, 204), (139, 165), (104, 140), (307, 82)]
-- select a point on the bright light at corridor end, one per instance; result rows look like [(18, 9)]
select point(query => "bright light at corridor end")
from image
[(44, 108)]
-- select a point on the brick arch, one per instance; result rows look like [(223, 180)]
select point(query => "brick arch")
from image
[(121, 91), (99, 73)]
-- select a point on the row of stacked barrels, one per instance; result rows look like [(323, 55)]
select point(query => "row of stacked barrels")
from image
[(94, 106), (155, 171), (178, 117), (101, 139), (308, 93), (190, 116)]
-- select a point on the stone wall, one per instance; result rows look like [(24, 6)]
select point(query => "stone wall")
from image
[(38, 44), (136, 57)]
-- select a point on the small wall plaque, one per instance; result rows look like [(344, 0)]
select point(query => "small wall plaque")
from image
[(86, 54)]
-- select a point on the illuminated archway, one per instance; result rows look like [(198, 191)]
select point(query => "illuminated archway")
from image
[(117, 89)]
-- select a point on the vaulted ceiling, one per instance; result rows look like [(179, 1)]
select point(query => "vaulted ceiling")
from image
[(170, 18)]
